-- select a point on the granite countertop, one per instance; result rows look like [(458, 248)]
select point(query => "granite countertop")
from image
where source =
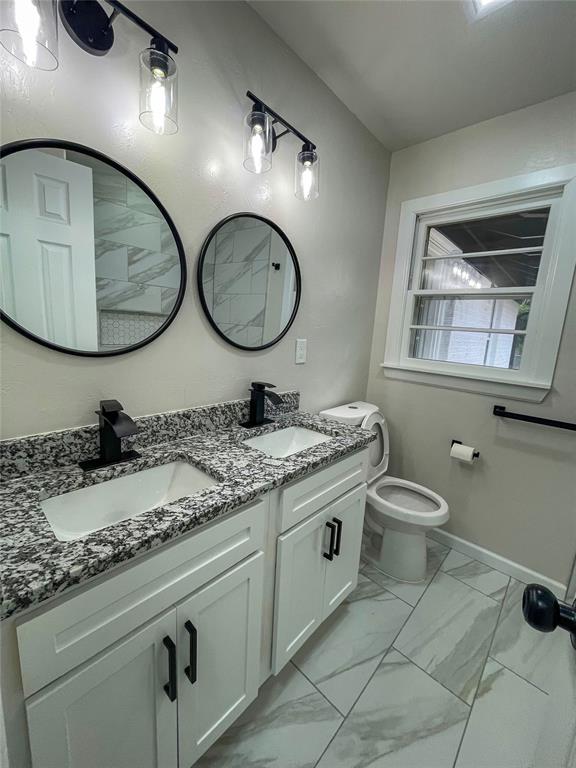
[(35, 566)]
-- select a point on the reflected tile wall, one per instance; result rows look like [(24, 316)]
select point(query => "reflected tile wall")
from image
[(236, 287)]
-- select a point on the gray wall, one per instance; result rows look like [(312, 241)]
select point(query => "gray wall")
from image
[(226, 48), (519, 500)]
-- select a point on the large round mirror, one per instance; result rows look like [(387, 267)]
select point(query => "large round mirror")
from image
[(90, 261), (249, 281)]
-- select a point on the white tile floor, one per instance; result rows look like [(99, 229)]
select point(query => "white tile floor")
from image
[(445, 674)]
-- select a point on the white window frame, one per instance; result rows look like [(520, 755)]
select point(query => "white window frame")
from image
[(555, 187)]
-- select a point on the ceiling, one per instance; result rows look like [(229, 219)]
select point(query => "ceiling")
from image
[(415, 69)]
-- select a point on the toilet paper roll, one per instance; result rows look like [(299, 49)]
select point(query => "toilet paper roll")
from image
[(462, 452)]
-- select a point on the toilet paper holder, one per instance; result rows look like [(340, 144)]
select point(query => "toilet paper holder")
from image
[(475, 455)]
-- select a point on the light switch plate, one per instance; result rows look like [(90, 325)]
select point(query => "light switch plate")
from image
[(300, 351)]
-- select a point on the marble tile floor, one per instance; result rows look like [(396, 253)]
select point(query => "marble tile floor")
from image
[(445, 674)]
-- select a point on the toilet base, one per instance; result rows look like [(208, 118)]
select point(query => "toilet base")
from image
[(402, 554)]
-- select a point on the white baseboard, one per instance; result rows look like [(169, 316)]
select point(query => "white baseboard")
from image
[(499, 563)]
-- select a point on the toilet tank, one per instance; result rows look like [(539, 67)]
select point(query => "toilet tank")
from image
[(367, 415), (350, 413)]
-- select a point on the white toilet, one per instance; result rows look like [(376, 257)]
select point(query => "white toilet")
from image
[(398, 512)]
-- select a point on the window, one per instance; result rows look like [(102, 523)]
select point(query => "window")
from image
[(481, 285)]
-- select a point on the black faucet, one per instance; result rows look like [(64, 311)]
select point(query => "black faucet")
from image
[(258, 393), (114, 425)]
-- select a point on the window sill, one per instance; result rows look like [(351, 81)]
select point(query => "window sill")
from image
[(513, 390)]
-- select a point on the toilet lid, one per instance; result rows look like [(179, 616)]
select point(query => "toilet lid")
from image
[(379, 449)]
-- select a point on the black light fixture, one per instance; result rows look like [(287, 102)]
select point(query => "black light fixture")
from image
[(260, 140), (29, 30)]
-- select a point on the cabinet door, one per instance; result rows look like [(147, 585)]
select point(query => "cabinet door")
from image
[(113, 711), (219, 631), (300, 569), (342, 572)]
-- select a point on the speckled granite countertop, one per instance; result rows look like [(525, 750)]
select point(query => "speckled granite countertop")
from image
[(34, 565)]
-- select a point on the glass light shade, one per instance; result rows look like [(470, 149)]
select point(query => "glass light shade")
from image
[(158, 91), (258, 140), (307, 175), (29, 31)]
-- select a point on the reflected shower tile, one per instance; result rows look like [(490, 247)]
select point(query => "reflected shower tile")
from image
[(476, 574), (122, 225), (531, 654), (254, 336), (449, 634), (404, 719), (288, 726), (236, 333), (505, 723), (108, 183), (111, 260), (138, 200), (221, 313), (146, 266), (224, 247), (346, 649), (167, 242), (252, 244), (247, 309), (129, 297), (411, 593), (260, 277), (168, 299), (232, 278)]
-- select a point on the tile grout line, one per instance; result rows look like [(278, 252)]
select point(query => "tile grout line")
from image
[(524, 679), (430, 676), (390, 647), (448, 573), (457, 755), (331, 703)]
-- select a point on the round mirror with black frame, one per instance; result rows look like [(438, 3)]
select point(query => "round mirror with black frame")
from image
[(91, 262), (249, 281)]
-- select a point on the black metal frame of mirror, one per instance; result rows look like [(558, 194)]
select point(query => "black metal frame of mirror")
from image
[(18, 146), (200, 286)]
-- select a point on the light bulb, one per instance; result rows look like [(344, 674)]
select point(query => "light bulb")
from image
[(306, 175), (257, 148), (158, 91), (158, 106), (258, 141)]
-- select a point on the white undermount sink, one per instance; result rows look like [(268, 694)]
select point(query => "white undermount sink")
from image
[(285, 442), (78, 513)]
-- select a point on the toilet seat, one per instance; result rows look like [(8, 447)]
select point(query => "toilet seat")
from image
[(407, 502)]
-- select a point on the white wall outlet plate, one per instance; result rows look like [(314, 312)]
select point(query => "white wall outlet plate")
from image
[(301, 351)]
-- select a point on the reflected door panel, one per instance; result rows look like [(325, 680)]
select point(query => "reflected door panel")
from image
[(47, 229)]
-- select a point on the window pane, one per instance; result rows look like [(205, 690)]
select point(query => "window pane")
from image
[(514, 270), (457, 311), (499, 350), (513, 230)]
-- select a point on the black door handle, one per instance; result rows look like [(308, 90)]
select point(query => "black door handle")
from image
[(170, 687), (544, 612), (191, 669), (332, 528), (338, 536)]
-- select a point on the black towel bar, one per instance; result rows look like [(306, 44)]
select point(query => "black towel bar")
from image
[(500, 410)]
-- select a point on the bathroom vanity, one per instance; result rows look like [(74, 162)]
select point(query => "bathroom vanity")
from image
[(195, 603)]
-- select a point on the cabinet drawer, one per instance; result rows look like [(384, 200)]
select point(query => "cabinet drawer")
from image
[(304, 497), (60, 638)]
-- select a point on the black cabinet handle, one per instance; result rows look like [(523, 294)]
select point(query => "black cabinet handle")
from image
[(332, 528), (170, 686), (191, 670), (338, 536)]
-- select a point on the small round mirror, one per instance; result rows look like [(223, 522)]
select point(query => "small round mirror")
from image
[(249, 281), (91, 262)]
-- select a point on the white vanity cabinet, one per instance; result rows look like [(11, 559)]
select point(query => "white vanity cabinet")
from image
[(163, 693), (147, 666), (316, 569), (161, 697)]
